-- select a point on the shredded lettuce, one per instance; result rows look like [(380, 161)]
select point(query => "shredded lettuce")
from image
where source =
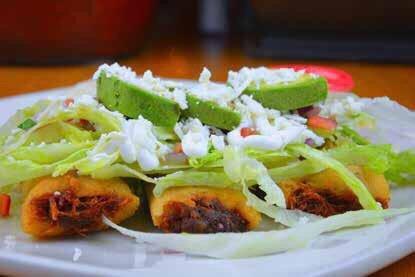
[(48, 153), (120, 170), (13, 171), (402, 169), (105, 121), (363, 120), (251, 244), (165, 134), (348, 132), (21, 115), (56, 131), (194, 178), (240, 169), (375, 157), (295, 170), (86, 166), (359, 189), (284, 216), (212, 159), (399, 168), (270, 159), (52, 127)]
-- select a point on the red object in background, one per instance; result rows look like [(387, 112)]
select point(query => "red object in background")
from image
[(5, 202), (337, 79), (45, 31)]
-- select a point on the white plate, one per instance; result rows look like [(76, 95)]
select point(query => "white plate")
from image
[(109, 253)]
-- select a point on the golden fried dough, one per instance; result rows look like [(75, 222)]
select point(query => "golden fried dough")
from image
[(325, 193), (71, 204), (202, 210)]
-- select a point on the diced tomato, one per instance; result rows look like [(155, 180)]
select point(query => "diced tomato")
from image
[(5, 202), (85, 124), (178, 148), (337, 79), (68, 101), (82, 123), (246, 131), (322, 124)]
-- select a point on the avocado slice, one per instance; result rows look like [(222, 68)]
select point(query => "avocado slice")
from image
[(132, 101), (303, 92), (210, 113)]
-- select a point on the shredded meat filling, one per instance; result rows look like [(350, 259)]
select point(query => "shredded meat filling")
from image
[(323, 202), (77, 214), (207, 216)]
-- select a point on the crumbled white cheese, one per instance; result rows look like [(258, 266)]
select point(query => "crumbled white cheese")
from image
[(122, 72), (218, 142), (179, 96), (261, 75), (205, 76), (151, 83), (342, 108), (194, 137), (206, 90), (273, 130), (303, 220), (9, 242), (136, 142), (174, 84), (85, 99), (77, 254)]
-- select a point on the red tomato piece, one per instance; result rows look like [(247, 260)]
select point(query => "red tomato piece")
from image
[(245, 132), (68, 101), (320, 123), (178, 148), (5, 202), (338, 80), (85, 124)]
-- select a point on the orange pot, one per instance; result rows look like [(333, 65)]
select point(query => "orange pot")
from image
[(51, 31)]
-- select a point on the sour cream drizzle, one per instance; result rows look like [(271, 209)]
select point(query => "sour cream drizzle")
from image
[(136, 142)]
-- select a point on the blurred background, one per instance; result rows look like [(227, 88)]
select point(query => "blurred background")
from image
[(73, 31), (49, 43)]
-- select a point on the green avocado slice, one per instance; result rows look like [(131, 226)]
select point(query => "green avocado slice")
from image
[(132, 101), (305, 91), (210, 113)]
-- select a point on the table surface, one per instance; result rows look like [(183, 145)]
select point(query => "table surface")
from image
[(186, 61)]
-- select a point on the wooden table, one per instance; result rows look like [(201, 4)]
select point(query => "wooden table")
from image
[(170, 59)]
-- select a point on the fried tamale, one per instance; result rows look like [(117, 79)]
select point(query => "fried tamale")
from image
[(71, 204), (202, 210), (326, 194)]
